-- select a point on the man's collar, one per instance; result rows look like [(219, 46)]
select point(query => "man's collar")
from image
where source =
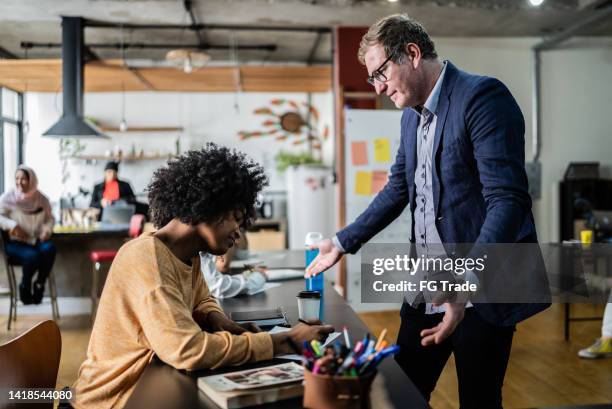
[(431, 104)]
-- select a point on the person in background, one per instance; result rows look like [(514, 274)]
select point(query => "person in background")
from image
[(239, 252), (112, 189), (155, 302), (602, 348), (26, 218), (221, 284)]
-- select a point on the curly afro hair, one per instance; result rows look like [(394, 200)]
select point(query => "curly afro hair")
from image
[(203, 185)]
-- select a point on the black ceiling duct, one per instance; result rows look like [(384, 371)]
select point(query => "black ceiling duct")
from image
[(72, 124)]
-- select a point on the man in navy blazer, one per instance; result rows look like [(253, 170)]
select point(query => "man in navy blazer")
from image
[(461, 168)]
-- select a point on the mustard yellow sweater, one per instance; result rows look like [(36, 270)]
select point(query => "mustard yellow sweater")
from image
[(147, 308)]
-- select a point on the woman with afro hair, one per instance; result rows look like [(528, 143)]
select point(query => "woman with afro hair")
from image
[(155, 301)]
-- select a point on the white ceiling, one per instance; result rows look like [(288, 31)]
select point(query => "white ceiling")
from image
[(39, 21)]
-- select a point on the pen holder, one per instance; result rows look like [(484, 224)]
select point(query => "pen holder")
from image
[(333, 392)]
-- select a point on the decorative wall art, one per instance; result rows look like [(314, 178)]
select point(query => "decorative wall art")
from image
[(288, 120)]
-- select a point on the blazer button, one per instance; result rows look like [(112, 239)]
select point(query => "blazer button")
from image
[(440, 218)]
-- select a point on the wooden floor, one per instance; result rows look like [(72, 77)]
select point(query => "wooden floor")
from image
[(75, 338), (544, 370)]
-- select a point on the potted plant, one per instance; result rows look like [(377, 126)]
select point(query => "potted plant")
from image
[(286, 159)]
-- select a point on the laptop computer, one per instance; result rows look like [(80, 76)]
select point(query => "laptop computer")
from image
[(118, 215)]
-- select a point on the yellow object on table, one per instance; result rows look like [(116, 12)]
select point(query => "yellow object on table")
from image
[(72, 229), (586, 236)]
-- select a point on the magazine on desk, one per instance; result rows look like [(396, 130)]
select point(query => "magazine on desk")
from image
[(255, 378), (254, 386)]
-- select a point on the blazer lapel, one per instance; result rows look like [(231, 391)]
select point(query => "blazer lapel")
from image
[(441, 113), (411, 156)]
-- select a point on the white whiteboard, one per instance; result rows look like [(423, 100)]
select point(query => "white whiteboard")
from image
[(365, 125)]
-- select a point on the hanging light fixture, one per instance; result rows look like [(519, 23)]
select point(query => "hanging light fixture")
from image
[(123, 126), (25, 128), (187, 59), (72, 123), (237, 74)]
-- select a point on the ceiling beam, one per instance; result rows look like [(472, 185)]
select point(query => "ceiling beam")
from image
[(4, 53), (119, 46), (140, 78), (188, 8), (313, 49), (200, 26), (574, 29), (592, 4), (114, 76), (90, 55)]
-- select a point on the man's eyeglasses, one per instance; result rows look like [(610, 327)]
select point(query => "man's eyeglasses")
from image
[(377, 74)]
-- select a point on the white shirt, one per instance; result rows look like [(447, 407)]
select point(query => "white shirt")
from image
[(228, 286)]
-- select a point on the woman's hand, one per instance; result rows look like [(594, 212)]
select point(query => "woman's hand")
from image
[(18, 234), (263, 271), (259, 269), (223, 262), (219, 322), (297, 335), (45, 235)]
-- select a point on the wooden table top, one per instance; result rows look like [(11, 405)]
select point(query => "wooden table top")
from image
[(162, 386)]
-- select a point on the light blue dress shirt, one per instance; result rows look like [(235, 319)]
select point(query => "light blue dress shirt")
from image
[(424, 214)]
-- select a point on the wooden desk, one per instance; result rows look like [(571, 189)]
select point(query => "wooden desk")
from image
[(162, 386), (579, 265), (90, 233)]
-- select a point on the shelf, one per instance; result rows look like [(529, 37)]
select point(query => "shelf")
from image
[(122, 158), (360, 95), (141, 129)]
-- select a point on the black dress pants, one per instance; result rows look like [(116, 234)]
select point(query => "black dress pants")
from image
[(481, 355)]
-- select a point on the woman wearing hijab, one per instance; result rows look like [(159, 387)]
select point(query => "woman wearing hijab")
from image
[(27, 222)]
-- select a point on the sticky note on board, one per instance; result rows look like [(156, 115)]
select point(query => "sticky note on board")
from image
[(379, 180), (363, 183), (359, 153), (382, 150)]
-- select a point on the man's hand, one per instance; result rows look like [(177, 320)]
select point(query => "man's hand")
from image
[(452, 317), (327, 257), (18, 234), (297, 335), (219, 322), (105, 202)]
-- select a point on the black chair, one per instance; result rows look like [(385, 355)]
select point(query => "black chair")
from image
[(9, 266)]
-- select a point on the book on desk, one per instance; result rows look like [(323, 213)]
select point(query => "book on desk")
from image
[(254, 386), (264, 319)]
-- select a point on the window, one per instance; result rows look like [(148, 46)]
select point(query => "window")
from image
[(11, 136)]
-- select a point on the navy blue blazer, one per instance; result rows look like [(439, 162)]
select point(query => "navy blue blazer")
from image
[(479, 182)]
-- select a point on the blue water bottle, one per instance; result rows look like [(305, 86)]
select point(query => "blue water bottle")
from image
[(313, 283)]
